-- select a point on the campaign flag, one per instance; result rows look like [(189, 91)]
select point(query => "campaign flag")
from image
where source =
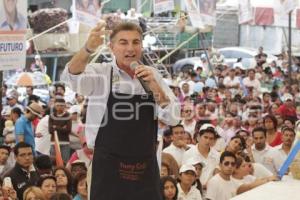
[(207, 10), (194, 13), (13, 25), (58, 158), (87, 12), (245, 11), (160, 6)]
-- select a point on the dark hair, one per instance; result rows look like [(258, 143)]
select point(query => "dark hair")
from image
[(62, 85), (5, 147), (273, 118), (167, 132), (60, 196), (43, 162), (21, 145), (172, 127), (45, 177), (242, 130), (79, 177), (125, 26), (227, 154), (17, 111), (163, 181), (260, 129), (291, 119), (243, 142), (69, 177), (285, 128)]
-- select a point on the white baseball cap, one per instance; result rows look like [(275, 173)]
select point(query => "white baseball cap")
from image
[(287, 96), (206, 126), (195, 160), (185, 168)]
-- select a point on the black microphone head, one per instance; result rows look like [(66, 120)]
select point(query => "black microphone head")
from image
[(133, 65)]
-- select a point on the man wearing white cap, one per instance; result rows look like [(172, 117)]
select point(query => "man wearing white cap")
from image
[(205, 138), (186, 190)]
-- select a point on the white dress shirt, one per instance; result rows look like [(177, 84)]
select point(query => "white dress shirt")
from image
[(94, 82)]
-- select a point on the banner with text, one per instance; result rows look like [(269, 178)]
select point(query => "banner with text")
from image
[(13, 23), (208, 11), (160, 6), (194, 13), (87, 12), (245, 11)]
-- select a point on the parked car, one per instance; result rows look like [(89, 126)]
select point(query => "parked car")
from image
[(186, 64), (232, 54)]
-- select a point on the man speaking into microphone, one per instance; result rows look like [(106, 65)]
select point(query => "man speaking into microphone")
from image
[(125, 101)]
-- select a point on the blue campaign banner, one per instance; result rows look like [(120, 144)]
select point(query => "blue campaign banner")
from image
[(289, 160)]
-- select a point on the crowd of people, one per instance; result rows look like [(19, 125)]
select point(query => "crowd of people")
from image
[(237, 127)]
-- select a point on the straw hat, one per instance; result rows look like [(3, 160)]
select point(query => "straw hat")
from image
[(35, 109)]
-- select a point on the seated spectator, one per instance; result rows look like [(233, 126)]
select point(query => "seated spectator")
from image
[(186, 190), (221, 186), (4, 165), (43, 165), (81, 187), (168, 188), (61, 196), (33, 192), (78, 166), (63, 180), (24, 174), (47, 183)]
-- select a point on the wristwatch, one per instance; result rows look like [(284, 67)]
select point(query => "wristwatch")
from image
[(88, 50)]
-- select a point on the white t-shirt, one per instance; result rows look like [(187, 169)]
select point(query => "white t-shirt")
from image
[(246, 180), (261, 171), (193, 194), (264, 157), (189, 127), (278, 157), (220, 189), (42, 144), (211, 162), (176, 152), (252, 83)]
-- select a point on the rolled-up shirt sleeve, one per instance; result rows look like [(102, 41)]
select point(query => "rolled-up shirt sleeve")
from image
[(170, 114), (85, 82)]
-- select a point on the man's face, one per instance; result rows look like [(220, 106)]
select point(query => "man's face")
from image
[(29, 91), (3, 156), (288, 138), (251, 74), (259, 140), (10, 5), (25, 157), (227, 166), (126, 47), (60, 107), (207, 139), (60, 90), (188, 112), (11, 101), (177, 134)]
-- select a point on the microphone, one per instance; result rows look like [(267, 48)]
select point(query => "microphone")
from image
[(144, 84)]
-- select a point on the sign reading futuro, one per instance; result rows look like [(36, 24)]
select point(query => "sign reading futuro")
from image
[(13, 22)]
